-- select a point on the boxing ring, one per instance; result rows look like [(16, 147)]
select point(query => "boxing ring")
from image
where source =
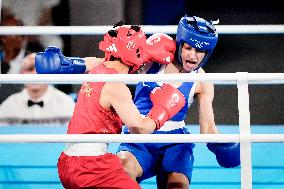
[(242, 79)]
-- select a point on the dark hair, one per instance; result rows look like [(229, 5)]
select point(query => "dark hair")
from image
[(11, 20)]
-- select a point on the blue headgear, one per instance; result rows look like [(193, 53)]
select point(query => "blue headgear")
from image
[(199, 34)]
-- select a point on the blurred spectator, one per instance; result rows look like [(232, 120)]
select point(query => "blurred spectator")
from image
[(14, 47), (36, 103), (34, 13)]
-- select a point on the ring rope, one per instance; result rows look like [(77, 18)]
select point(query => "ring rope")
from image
[(226, 78), (139, 138), (148, 29)]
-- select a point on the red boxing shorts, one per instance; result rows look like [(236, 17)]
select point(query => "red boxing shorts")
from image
[(101, 172)]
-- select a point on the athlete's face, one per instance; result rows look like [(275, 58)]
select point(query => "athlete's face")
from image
[(191, 57), (34, 90)]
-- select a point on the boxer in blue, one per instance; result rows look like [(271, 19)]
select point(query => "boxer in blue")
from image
[(172, 163)]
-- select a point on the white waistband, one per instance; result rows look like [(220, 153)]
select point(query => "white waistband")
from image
[(85, 149), (172, 125)]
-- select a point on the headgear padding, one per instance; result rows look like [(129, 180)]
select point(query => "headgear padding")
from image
[(127, 43), (199, 34)]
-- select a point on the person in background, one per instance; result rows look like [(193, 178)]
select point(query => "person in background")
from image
[(36, 103), (14, 47), (34, 13)]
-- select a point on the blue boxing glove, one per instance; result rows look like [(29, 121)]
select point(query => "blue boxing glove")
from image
[(52, 61), (227, 154)]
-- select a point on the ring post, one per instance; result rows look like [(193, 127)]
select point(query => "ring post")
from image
[(245, 131)]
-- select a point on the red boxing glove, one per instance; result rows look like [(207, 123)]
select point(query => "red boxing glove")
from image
[(167, 101), (160, 48)]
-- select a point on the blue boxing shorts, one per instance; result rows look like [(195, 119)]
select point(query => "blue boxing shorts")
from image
[(157, 157)]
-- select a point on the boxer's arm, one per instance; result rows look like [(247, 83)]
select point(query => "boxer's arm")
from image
[(206, 113), (205, 95), (53, 61), (92, 62), (167, 101), (118, 96), (227, 154)]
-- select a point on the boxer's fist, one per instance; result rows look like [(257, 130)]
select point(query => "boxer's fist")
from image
[(167, 101), (227, 154), (52, 61), (160, 48)]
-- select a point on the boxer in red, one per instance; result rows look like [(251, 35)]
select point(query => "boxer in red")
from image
[(102, 108)]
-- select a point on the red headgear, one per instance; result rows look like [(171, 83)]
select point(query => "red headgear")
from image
[(127, 43)]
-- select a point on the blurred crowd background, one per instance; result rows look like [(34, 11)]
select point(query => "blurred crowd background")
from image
[(253, 53)]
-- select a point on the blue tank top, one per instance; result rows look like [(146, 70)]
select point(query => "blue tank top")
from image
[(143, 89)]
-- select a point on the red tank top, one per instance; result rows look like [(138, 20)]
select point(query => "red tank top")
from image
[(89, 117)]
